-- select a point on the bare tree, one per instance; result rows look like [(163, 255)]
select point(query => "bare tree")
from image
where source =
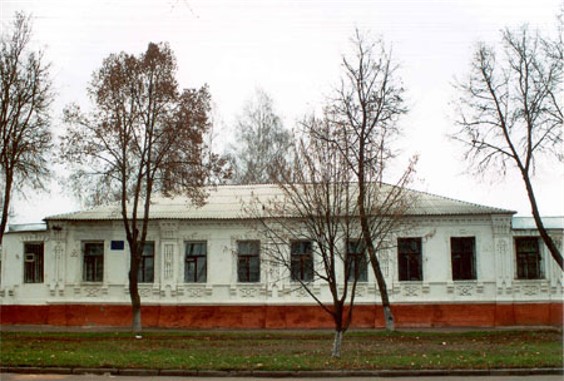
[(261, 141), (313, 219), (143, 138), (510, 110), (25, 139), (365, 112), (317, 219)]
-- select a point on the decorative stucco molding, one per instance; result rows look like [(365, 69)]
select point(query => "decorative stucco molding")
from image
[(501, 225)]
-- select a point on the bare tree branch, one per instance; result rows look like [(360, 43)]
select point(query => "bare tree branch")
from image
[(510, 111), (25, 94), (262, 141)]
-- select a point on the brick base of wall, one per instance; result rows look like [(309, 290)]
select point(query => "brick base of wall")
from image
[(295, 316)]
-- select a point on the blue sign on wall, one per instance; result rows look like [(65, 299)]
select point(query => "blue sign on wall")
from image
[(117, 245)]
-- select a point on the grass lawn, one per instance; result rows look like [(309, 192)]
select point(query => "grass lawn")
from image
[(284, 350)]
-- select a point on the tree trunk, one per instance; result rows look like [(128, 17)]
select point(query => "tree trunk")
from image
[(136, 312), (337, 342), (388, 315), (554, 252), (134, 289), (135, 305), (6, 204)]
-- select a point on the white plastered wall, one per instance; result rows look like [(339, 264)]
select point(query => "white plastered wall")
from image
[(63, 279)]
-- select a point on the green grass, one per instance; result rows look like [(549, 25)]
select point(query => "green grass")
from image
[(284, 350)]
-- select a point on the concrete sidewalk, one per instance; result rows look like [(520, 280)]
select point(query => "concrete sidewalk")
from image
[(289, 374), (91, 377)]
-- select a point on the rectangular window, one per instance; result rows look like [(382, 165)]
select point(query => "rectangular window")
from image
[(195, 266), (529, 260), (463, 258), (33, 262), (356, 261), (248, 261), (147, 263), (301, 266), (93, 270), (410, 259)]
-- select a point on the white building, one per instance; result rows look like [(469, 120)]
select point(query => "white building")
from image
[(467, 265)]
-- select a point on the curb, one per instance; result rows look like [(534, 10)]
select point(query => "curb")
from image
[(279, 374)]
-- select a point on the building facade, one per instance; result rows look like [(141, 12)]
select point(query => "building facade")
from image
[(460, 264)]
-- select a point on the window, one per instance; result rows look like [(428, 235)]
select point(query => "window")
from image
[(248, 262), (93, 270), (356, 261), (463, 258), (410, 259), (195, 262), (528, 258), (301, 261), (33, 262), (147, 263)]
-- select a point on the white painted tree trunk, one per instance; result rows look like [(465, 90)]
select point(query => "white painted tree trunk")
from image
[(338, 340), (389, 319), (136, 323)]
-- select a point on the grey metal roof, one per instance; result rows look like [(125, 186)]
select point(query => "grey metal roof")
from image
[(528, 223), (226, 201)]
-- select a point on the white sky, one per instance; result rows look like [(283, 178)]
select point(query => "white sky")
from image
[(292, 49)]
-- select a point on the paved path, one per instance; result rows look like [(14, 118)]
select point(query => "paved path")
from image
[(56, 377)]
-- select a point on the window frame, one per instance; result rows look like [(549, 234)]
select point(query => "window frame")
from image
[(143, 272), (195, 258), (245, 262), (38, 269), (93, 261), (410, 258), (519, 259), (301, 261), (356, 258), (459, 258)]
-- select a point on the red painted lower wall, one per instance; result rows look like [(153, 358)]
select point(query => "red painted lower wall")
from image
[(365, 316)]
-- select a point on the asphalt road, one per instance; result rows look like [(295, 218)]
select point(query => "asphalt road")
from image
[(48, 377)]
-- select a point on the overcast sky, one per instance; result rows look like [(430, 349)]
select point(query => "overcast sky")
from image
[(292, 50)]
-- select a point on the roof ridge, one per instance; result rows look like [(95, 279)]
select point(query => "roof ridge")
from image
[(462, 201)]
